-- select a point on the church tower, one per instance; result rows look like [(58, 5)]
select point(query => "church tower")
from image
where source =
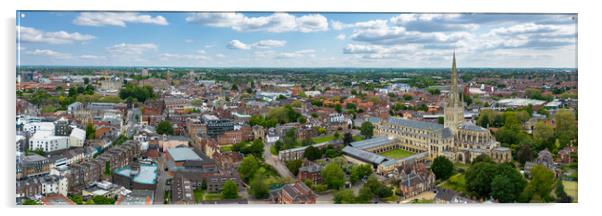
[(454, 108)]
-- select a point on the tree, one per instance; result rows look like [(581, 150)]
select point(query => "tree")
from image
[(31, 202), (259, 189), (312, 153), (367, 129), (543, 136), (338, 108), (561, 195), (442, 167), (478, 179), (307, 142), (102, 200), (344, 197), (360, 171), (294, 165), (502, 189), (247, 168), (230, 190), (165, 127), (108, 168), (90, 131), (482, 158), (347, 138), (566, 126), (541, 184), (525, 153), (440, 120), (141, 94), (509, 185), (333, 175)]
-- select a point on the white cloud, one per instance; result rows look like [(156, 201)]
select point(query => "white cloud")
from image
[(405, 18), (266, 44), (277, 22), (117, 19), (341, 37), (181, 57), (297, 54), (131, 49), (49, 53), (236, 44), (27, 34), (262, 44), (92, 57)]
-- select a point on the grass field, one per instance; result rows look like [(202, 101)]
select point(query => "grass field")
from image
[(397, 154), (227, 148), (456, 183), (323, 139), (570, 187)]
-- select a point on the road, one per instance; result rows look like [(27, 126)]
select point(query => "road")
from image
[(277, 164), (161, 179)]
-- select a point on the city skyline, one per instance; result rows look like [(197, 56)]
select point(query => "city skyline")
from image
[(234, 39)]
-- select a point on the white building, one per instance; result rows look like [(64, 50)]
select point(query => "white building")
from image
[(34, 127), (336, 118), (312, 93), (53, 184), (77, 137), (48, 142)]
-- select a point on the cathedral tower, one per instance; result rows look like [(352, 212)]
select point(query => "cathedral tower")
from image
[(454, 108)]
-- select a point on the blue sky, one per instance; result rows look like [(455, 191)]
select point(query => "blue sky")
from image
[(239, 39)]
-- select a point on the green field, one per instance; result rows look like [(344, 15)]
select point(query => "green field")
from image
[(456, 183), (323, 139), (570, 187), (397, 154)]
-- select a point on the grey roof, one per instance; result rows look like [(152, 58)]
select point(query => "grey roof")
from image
[(446, 133), (415, 124), (146, 175), (369, 143), (183, 154), (364, 155), (472, 127)]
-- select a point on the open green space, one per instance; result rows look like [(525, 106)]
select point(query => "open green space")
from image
[(456, 183), (322, 139), (397, 154), (227, 148), (570, 187)]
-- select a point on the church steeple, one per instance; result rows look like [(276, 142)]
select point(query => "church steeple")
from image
[(454, 109)]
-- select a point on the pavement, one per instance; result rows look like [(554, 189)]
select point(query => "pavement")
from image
[(161, 180), (277, 164)]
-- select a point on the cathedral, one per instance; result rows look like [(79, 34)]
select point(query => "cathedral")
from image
[(457, 139)]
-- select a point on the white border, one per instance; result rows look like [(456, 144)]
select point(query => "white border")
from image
[(589, 36)]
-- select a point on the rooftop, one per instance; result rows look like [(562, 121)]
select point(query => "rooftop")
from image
[(183, 154), (415, 124), (146, 175), (364, 155)]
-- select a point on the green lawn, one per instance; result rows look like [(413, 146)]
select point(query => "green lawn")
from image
[(227, 148), (212, 196), (456, 183), (570, 187), (397, 154), (198, 196), (357, 138), (322, 139)]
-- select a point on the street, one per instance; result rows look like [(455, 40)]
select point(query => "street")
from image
[(277, 164), (161, 180)]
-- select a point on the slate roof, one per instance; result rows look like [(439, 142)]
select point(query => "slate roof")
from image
[(415, 124), (369, 143), (472, 127), (364, 155)]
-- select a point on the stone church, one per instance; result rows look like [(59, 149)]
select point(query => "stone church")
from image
[(457, 139)]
